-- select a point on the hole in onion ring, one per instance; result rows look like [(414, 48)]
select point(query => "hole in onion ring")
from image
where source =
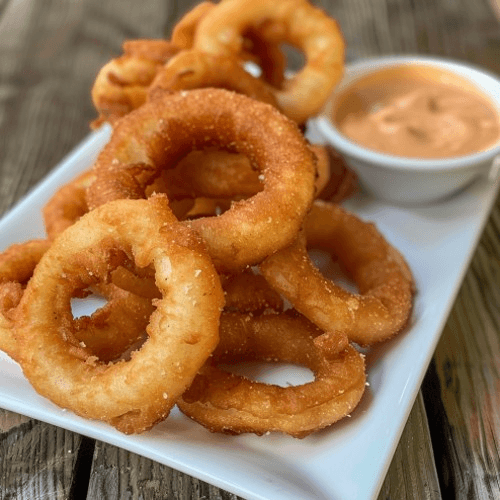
[(86, 306), (331, 268), (273, 372), (295, 59)]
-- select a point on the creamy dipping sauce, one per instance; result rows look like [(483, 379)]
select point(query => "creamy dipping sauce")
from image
[(417, 111)]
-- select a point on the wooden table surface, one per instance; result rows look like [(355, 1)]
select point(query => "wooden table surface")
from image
[(50, 53)]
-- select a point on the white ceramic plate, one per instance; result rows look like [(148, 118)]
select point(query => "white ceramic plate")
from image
[(348, 460)]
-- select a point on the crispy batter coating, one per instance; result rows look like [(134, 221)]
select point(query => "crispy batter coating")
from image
[(384, 303), (17, 264), (233, 404), (155, 137), (296, 22), (132, 395)]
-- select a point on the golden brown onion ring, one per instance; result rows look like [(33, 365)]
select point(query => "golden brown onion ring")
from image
[(184, 31), (296, 22), (342, 182), (122, 84), (17, 264), (224, 402), (255, 48), (249, 292), (131, 395), (116, 326), (220, 174), (67, 205), (151, 49), (209, 174), (191, 69), (384, 303), (157, 135)]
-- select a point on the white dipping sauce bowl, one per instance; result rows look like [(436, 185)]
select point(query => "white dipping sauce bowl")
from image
[(408, 181)]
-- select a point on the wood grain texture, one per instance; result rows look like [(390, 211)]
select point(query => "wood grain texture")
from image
[(50, 53), (118, 474), (37, 461), (412, 473), (462, 385)]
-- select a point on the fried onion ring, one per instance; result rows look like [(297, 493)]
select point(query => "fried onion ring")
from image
[(157, 135), (67, 205), (191, 69), (184, 31), (17, 264), (249, 292), (151, 49), (383, 305), (122, 84), (255, 48), (296, 22), (342, 182), (131, 395), (232, 404), (220, 174), (115, 327)]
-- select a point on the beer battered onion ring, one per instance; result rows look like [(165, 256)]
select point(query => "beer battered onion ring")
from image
[(255, 48), (17, 264), (219, 174), (385, 283), (249, 292), (157, 135), (115, 327), (184, 31), (67, 205), (107, 333), (296, 22), (191, 69), (131, 395), (225, 402), (122, 84)]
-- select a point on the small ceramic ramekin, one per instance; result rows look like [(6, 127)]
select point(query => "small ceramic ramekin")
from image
[(403, 180)]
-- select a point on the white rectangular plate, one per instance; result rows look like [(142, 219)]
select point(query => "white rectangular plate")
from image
[(348, 460)]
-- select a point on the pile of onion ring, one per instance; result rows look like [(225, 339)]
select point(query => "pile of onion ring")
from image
[(193, 228)]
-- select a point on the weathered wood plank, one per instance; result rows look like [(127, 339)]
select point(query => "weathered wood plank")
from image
[(412, 473), (36, 460), (118, 474), (462, 386)]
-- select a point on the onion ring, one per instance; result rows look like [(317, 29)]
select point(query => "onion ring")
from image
[(151, 49), (342, 182), (17, 264), (249, 292), (191, 69), (232, 404), (67, 205), (383, 305), (184, 31), (293, 21), (255, 48), (157, 135), (220, 174), (131, 395), (207, 207), (122, 84), (117, 326), (210, 174)]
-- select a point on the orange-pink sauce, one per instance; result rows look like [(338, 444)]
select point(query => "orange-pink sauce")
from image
[(417, 111)]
